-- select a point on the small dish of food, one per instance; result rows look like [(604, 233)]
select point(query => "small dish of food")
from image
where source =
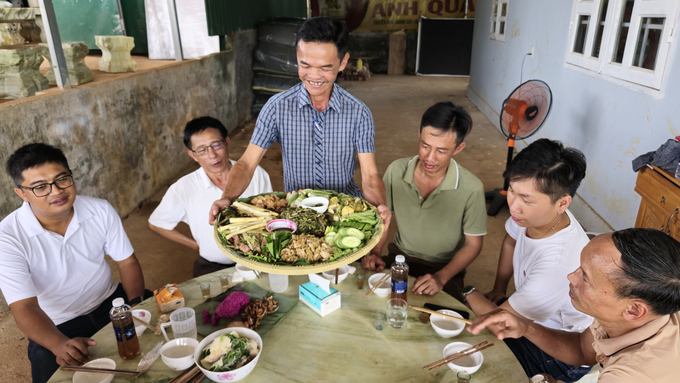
[(318, 204), (281, 225), (144, 316), (384, 289), (445, 327), (469, 364), (228, 354), (91, 377)]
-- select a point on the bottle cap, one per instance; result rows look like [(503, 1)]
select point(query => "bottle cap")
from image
[(400, 258), (118, 302)]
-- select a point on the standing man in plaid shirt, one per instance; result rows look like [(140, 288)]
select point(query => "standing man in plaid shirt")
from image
[(318, 125)]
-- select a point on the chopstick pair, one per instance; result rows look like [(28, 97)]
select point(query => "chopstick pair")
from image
[(466, 321), (150, 327), (257, 274), (380, 282), (99, 370), (191, 375), (459, 355)]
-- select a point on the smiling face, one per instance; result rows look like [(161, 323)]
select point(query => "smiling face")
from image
[(532, 209), (436, 149), (214, 161), (591, 287), (318, 67), (59, 202)]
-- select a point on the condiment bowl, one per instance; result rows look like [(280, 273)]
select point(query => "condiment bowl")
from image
[(318, 204), (343, 272), (232, 375), (445, 327), (89, 377), (144, 316), (469, 364), (245, 272), (178, 354), (281, 225), (386, 287)]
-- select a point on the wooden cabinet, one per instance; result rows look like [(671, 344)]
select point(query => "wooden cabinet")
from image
[(660, 205)]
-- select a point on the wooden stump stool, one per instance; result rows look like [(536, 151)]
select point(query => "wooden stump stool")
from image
[(116, 53), (19, 74), (74, 53)]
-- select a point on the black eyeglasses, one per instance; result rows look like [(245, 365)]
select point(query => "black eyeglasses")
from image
[(43, 190), (215, 145)]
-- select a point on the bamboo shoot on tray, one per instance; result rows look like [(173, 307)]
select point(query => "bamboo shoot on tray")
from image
[(246, 229), (245, 208)]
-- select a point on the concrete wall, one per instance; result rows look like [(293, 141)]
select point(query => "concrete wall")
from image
[(610, 120), (123, 138)]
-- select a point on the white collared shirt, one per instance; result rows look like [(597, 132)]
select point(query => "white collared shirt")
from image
[(189, 200), (69, 275)]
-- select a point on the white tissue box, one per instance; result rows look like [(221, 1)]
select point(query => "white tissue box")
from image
[(318, 299)]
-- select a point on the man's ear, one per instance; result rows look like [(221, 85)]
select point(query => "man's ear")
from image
[(343, 62), (20, 193), (227, 142), (458, 149), (564, 203), (192, 155), (636, 310)]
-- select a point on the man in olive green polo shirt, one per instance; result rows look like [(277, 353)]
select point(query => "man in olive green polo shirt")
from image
[(439, 206)]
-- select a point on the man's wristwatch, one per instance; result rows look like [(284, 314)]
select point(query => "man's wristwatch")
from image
[(467, 290)]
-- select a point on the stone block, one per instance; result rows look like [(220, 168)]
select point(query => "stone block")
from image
[(74, 53), (116, 53), (18, 26), (19, 71)]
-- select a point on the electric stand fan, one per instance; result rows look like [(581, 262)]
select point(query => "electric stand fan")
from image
[(523, 113)]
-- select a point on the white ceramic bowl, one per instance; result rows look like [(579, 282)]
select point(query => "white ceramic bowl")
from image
[(88, 377), (238, 373), (445, 327), (343, 272), (380, 291), (281, 225), (245, 272), (143, 315), (178, 354), (469, 364), (318, 204)]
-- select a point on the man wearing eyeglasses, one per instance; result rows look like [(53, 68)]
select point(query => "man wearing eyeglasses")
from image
[(53, 273), (191, 196)]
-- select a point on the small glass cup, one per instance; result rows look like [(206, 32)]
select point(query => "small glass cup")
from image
[(205, 290), (379, 321), (360, 280), (224, 281), (463, 377), (396, 312)]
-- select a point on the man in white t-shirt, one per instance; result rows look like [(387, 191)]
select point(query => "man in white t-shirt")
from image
[(188, 199), (542, 246), (53, 273)]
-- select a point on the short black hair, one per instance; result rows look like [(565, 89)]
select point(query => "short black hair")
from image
[(650, 268), (324, 30), (32, 155), (447, 117), (557, 170), (197, 125)]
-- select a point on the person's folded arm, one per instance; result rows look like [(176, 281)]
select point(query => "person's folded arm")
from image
[(131, 277), (504, 271), (175, 236)]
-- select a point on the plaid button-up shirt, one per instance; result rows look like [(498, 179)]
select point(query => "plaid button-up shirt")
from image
[(317, 157)]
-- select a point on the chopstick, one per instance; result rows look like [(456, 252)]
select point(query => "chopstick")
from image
[(99, 370), (458, 355), (257, 274), (150, 327), (380, 282), (186, 376), (336, 276), (198, 378), (441, 314)]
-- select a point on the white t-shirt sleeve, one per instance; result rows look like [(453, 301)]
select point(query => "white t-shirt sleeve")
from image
[(170, 211), (512, 228), (15, 276), (544, 291), (117, 245)]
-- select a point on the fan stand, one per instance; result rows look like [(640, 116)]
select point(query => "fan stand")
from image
[(516, 109)]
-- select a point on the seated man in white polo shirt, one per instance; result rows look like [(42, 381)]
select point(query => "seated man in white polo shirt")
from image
[(188, 199), (53, 273)]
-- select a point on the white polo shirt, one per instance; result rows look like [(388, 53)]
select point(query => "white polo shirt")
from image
[(68, 274), (189, 200), (540, 268)]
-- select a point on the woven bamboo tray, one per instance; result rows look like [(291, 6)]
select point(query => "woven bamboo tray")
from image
[(306, 269)]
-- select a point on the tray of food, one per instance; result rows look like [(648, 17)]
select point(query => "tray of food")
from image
[(297, 233)]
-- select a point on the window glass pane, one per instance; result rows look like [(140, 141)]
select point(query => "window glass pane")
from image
[(495, 10), (501, 30), (620, 45), (581, 33), (493, 27), (647, 46), (600, 29), (504, 9)]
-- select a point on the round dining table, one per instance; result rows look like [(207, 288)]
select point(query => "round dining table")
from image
[(343, 346)]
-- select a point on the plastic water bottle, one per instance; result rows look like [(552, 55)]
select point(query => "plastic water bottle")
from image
[(124, 328), (677, 171), (399, 278)]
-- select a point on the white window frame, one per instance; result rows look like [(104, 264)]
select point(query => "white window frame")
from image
[(604, 64), (495, 33)]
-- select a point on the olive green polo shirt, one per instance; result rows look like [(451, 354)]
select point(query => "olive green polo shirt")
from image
[(434, 229)]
